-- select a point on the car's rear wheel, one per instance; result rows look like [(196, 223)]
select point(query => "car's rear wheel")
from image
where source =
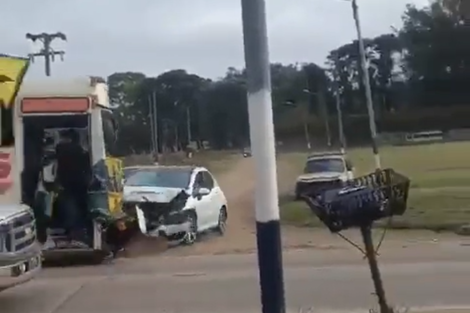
[(191, 236), (222, 223)]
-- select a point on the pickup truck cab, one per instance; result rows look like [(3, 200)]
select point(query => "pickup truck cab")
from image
[(323, 169)]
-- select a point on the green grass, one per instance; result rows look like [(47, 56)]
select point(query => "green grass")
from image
[(440, 184), (216, 161)]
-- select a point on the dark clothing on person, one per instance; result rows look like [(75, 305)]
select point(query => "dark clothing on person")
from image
[(73, 168), (72, 215)]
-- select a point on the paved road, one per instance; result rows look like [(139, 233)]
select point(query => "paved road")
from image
[(327, 280), (435, 275)]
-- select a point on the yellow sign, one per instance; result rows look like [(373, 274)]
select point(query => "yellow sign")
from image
[(12, 72), (114, 186)]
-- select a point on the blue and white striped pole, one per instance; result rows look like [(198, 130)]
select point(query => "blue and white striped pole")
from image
[(262, 144)]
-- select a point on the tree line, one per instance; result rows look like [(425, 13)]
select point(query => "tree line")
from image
[(420, 78)]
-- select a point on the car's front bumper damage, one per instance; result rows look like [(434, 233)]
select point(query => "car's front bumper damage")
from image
[(172, 227), (159, 217)]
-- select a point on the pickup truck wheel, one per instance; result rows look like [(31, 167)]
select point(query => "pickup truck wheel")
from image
[(191, 236), (222, 224)]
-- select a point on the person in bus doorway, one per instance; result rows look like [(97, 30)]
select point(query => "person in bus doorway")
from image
[(73, 168)]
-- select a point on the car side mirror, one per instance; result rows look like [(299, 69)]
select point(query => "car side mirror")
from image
[(203, 191)]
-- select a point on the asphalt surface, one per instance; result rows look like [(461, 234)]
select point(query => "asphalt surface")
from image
[(324, 277), (325, 281)]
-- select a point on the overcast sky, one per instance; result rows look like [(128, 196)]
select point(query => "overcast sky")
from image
[(202, 36)]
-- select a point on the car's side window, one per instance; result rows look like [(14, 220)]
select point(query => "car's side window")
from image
[(198, 181), (208, 180)]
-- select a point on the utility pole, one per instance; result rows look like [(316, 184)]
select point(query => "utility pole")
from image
[(292, 104), (47, 52), (325, 115), (260, 112), (366, 82), (155, 122), (342, 139), (188, 124), (151, 119), (307, 132)]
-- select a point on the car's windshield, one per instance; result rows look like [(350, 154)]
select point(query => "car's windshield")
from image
[(129, 171), (324, 165), (164, 177)]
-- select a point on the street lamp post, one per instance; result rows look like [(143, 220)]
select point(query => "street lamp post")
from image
[(152, 113), (188, 124), (342, 139), (324, 112), (366, 82)]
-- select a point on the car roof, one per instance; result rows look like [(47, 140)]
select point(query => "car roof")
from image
[(139, 166), (326, 154), (189, 168)]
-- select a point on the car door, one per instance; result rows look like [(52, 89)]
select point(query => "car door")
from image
[(349, 169), (214, 195), (201, 202)]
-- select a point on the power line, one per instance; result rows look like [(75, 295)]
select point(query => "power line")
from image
[(47, 52)]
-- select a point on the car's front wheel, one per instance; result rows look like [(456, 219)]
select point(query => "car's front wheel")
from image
[(191, 235)]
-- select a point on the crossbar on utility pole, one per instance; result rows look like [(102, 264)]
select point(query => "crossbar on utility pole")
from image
[(268, 228), (47, 52)]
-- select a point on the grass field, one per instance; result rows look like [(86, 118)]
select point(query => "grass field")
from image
[(440, 190), (215, 161)]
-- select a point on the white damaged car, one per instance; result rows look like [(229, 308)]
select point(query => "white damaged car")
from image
[(322, 170), (176, 202)]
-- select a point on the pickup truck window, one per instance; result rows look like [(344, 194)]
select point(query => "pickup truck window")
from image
[(324, 165)]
